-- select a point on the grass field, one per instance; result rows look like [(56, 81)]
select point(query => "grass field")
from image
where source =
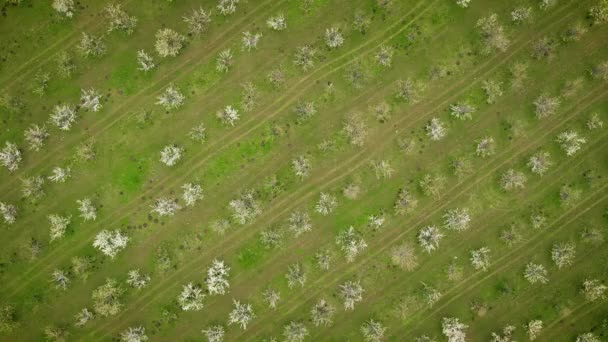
[(480, 125)]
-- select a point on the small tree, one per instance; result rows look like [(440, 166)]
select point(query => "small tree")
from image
[(63, 116), (119, 19), (410, 90), (323, 258), (245, 208), (110, 242), (83, 317), (171, 154), (60, 174), (521, 14), (198, 21), (305, 110), (361, 22), (333, 37), (405, 202), (594, 290), (277, 22), (228, 115), (404, 257), (65, 64), (198, 133), (574, 32), (540, 162), (301, 166), (59, 225), (492, 34), (169, 42), (536, 273), (432, 184), (382, 112), (241, 314), (134, 334), (90, 99), (192, 193), (350, 243), (64, 7), (250, 41), (87, 210), (351, 293), (226, 7), (595, 122), (106, 298), (435, 129), (137, 280), (382, 169), (570, 142), (8, 212), (569, 196), (485, 147), (217, 277), (145, 61), (56, 333), (429, 238), (355, 129), (505, 336), (534, 328), (492, 89), (546, 106), (457, 219), (60, 279), (10, 156), (224, 61), (271, 297), (91, 45), (462, 110), (463, 3), (480, 258), (171, 98), (322, 313), (35, 136), (512, 180), (214, 333), (384, 57), (588, 337), (563, 254), (519, 74), (600, 71), (271, 238), (326, 204), (453, 329), (250, 97), (191, 298), (165, 207), (295, 332), (32, 187), (299, 223), (599, 12), (373, 331), (8, 319), (295, 275), (304, 57)]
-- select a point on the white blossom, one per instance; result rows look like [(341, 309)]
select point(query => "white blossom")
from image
[(563, 254), (485, 147), (35, 136), (570, 142), (171, 98), (228, 115), (191, 298), (546, 106), (214, 333), (595, 122), (241, 314), (165, 207), (333, 37), (299, 223), (463, 3), (63, 116), (295, 332), (64, 7), (594, 290), (59, 225), (119, 19), (540, 162), (32, 187), (60, 174), (90, 99), (134, 334), (250, 41), (326, 204), (513, 180), (245, 208), (351, 293), (198, 21), (91, 45), (277, 22), (351, 243), (457, 219), (192, 193), (217, 277), (384, 57), (83, 317), (429, 238), (223, 61), (536, 273), (110, 242), (87, 210), (480, 258), (145, 61), (169, 42), (304, 57), (295, 275), (226, 7), (322, 313), (453, 329), (435, 129), (10, 156), (271, 297), (137, 279), (301, 166), (171, 154), (534, 329), (61, 280), (462, 111), (8, 212)]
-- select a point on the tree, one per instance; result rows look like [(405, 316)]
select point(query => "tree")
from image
[(277, 22), (171, 98), (106, 298), (594, 290), (35, 136), (382, 169), (59, 225), (87, 211), (569, 195), (536, 273), (534, 329), (463, 3), (214, 333), (599, 12), (228, 115), (485, 147), (32, 187), (301, 167), (8, 212), (224, 61), (192, 193), (299, 223), (375, 222), (405, 202), (65, 64), (81, 267), (350, 243), (295, 275), (432, 184), (64, 7), (83, 317), (56, 333), (563, 254), (90, 99), (574, 33), (457, 219), (435, 129), (492, 34), (519, 74), (430, 294), (480, 258), (119, 19), (191, 298), (60, 279), (134, 334), (245, 208), (355, 129), (171, 154), (169, 42), (356, 74), (137, 280), (333, 37), (63, 116), (326, 204), (429, 238), (198, 133), (521, 14), (41, 83), (361, 22), (198, 21), (351, 293), (404, 256), (276, 77), (382, 111), (512, 180), (453, 329), (322, 313), (165, 207), (462, 110), (492, 89), (60, 174), (8, 319), (227, 7), (304, 57), (10, 156), (410, 90), (91, 45), (540, 162), (145, 61), (600, 71), (271, 297), (250, 41), (323, 259), (544, 48), (384, 57), (305, 110), (217, 277), (295, 332), (594, 121), (110, 242), (86, 151), (570, 142), (271, 238), (241, 314), (546, 106), (250, 97), (505, 336)]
